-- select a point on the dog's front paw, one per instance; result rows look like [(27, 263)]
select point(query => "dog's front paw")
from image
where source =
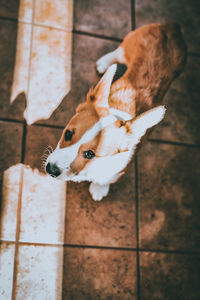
[(102, 64), (98, 191)]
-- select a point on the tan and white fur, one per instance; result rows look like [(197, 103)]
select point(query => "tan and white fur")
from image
[(101, 138)]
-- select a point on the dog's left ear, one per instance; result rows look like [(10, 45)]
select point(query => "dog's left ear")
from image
[(99, 95)]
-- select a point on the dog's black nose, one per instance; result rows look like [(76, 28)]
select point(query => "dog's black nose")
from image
[(53, 170)]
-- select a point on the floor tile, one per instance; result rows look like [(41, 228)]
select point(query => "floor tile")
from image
[(21, 67), (6, 270), (39, 273), (58, 15), (10, 192), (43, 208), (43, 197), (17, 9), (99, 274), (25, 11), (86, 50), (108, 18), (110, 222), (169, 197), (182, 122), (50, 74), (38, 138), (184, 12), (169, 276), (8, 36), (10, 9), (10, 149), (10, 177)]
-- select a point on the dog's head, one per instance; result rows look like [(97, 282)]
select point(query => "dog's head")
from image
[(98, 141)]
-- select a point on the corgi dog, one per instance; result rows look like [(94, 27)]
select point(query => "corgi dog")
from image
[(101, 138)]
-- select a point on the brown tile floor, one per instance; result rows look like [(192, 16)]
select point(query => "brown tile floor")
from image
[(142, 241)]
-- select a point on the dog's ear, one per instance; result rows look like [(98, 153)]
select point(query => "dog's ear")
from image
[(99, 95), (143, 122)]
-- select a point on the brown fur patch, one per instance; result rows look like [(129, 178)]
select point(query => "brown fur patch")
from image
[(155, 55), (83, 120), (80, 162)]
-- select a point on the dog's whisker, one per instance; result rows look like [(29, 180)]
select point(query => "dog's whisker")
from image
[(50, 149), (45, 154), (44, 162)]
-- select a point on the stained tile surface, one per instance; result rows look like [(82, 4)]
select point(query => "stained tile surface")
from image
[(17, 9), (38, 138), (55, 14), (43, 197), (11, 183), (21, 68), (39, 273), (169, 276), (169, 197), (110, 222), (103, 17), (6, 270), (11, 135), (10, 8), (142, 240), (99, 274), (184, 12), (182, 122), (8, 36), (51, 52), (10, 177)]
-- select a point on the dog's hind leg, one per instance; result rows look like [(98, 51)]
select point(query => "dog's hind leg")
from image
[(116, 56)]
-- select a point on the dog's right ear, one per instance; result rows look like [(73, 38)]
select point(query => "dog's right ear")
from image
[(99, 95), (143, 122)]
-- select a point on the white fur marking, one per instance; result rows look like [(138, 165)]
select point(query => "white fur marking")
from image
[(98, 191), (120, 115), (107, 60), (147, 120)]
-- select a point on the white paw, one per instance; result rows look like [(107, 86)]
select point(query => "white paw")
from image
[(102, 65), (98, 191)]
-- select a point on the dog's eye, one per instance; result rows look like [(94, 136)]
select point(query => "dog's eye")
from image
[(88, 154), (68, 135)]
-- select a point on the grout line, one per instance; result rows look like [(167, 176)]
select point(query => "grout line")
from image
[(35, 124), (9, 19), (137, 226), (14, 286), (110, 38), (133, 25), (164, 251), (181, 252), (174, 143), (136, 184), (48, 125), (11, 120), (90, 34), (7, 242), (194, 54), (23, 143), (115, 39), (17, 235), (52, 27)]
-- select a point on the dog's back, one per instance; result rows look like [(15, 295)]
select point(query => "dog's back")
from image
[(155, 55)]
